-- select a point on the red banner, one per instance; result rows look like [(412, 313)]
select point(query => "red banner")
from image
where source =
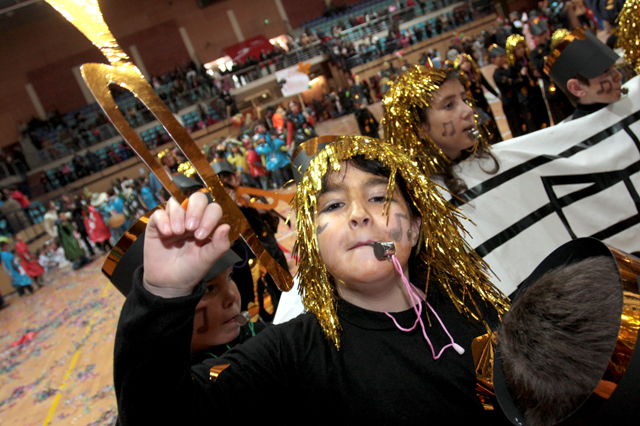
[(251, 47)]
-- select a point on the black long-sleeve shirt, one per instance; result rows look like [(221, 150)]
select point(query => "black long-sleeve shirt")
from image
[(380, 375)]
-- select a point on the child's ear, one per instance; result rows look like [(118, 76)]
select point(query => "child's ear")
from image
[(415, 230), (576, 88)]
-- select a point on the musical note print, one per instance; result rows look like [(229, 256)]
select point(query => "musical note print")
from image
[(602, 87), (453, 129), (205, 321)]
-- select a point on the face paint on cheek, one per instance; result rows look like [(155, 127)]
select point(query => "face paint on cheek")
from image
[(396, 233), (321, 228), (451, 132), (605, 87), (205, 322)]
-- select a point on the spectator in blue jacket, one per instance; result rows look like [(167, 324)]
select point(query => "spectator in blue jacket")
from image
[(278, 163)]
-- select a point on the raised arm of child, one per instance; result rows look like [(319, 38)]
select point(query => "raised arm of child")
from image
[(152, 355)]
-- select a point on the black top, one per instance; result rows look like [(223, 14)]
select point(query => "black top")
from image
[(582, 110), (380, 375)]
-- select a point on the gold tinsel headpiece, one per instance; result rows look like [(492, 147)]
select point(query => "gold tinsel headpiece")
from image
[(404, 105), (456, 63), (186, 168), (161, 154), (557, 37), (512, 42), (441, 252), (628, 31)]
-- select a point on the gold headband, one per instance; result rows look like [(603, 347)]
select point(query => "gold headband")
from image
[(448, 260)]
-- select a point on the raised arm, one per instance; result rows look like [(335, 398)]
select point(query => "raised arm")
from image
[(152, 356)]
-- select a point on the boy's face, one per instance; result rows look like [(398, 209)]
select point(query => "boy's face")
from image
[(350, 216), (605, 88), (214, 323)]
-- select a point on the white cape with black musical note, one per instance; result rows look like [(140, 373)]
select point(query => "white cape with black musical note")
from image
[(577, 179)]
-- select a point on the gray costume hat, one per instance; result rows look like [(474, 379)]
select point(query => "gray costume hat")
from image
[(623, 372), (222, 167), (538, 26), (303, 154), (186, 183), (579, 53), (495, 51)]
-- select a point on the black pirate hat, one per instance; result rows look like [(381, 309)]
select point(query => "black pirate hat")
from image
[(582, 53), (538, 26)]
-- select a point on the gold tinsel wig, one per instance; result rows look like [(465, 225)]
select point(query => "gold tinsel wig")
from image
[(186, 168), (628, 32), (404, 105), (557, 37), (441, 252), (512, 42)]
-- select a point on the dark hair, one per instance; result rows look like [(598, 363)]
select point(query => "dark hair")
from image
[(376, 168), (453, 183), (558, 337)]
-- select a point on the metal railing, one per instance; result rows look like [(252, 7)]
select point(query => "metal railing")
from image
[(245, 76), (14, 168), (71, 144)]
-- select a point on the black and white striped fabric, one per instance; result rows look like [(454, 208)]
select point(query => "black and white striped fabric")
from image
[(577, 179)]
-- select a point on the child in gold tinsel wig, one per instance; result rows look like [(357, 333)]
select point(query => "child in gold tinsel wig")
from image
[(428, 112), (394, 296)]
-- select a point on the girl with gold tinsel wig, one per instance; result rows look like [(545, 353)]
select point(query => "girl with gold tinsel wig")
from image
[(372, 350), (525, 77), (428, 113)]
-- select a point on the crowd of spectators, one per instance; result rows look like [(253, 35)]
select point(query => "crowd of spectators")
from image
[(62, 134)]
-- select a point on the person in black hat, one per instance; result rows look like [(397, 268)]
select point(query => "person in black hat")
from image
[(507, 85), (584, 68), (559, 105), (563, 351), (219, 323)]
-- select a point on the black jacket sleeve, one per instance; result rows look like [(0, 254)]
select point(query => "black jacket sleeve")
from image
[(153, 379)]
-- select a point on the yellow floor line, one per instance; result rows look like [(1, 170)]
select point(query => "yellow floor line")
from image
[(65, 379)]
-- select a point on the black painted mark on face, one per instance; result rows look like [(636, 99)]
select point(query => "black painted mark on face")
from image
[(205, 321), (321, 228), (396, 233), (605, 87), (453, 129)]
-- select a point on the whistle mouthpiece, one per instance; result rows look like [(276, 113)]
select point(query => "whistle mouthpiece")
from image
[(474, 133), (383, 250), (243, 318)]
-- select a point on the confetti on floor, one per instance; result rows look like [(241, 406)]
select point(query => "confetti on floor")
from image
[(60, 367)]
